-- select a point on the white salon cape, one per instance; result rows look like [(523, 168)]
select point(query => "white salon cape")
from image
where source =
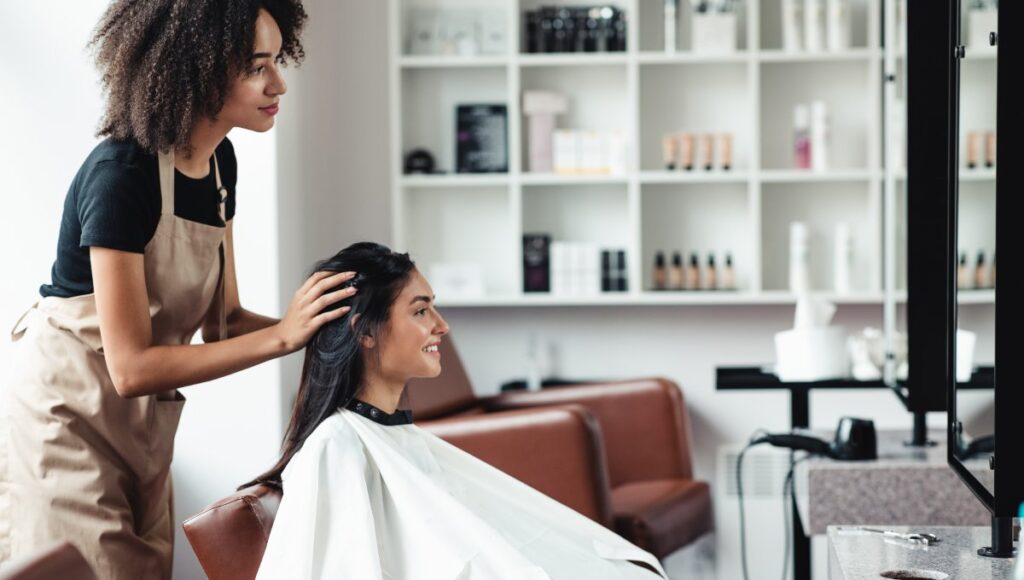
[(366, 500)]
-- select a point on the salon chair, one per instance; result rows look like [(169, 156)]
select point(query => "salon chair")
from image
[(62, 561), (642, 434), (564, 459)]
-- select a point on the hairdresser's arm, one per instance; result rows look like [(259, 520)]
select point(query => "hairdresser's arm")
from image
[(239, 320), (137, 367)]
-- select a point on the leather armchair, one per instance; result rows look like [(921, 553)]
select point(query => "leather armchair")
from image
[(644, 433), (62, 561), (562, 457)]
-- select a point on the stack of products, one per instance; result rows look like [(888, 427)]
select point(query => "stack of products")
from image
[(571, 268), (575, 29)]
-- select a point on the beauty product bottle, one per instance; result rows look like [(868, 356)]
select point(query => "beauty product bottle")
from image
[(843, 259), (801, 137), (726, 154), (792, 22), (693, 273), (708, 150), (838, 17), (659, 271), (711, 274), (972, 150), (814, 25), (668, 151), (819, 136), (990, 149), (622, 279), (686, 151), (675, 274), (799, 258), (670, 25), (993, 281), (961, 272), (728, 274), (980, 272)]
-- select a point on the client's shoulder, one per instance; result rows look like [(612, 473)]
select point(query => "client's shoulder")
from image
[(333, 431)]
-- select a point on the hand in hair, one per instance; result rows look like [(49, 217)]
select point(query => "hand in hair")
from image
[(308, 310)]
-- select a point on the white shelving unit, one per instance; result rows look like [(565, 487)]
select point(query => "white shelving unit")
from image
[(646, 92)]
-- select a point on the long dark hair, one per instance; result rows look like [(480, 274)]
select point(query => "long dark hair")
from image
[(333, 369)]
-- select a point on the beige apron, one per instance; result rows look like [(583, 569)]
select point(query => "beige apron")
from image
[(77, 461)]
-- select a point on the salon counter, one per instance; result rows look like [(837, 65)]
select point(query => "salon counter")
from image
[(858, 555), (905, 485)]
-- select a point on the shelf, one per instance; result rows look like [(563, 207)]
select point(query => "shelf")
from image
[(559, 179), (456, 180), (985, 174), (573, 59), (451, 61), (809, 176), (976, 296), (695, 176), (691, 58), (655, 298), (782, 56)]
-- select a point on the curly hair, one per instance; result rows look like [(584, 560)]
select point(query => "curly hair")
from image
[(166, 64)]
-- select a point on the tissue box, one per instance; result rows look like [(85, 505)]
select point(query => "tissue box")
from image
[(714, 33), (811, 354)]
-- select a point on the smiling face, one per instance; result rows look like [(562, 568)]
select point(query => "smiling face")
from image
[(408, 347), (252, 100)]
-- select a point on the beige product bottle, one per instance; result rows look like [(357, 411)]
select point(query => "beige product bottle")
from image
[(686, 151), (659, 271), (972, 150), (728, 274), (980, 272), (693, 273), (675, 273), (961, 272), (707, 151), (711, 274), (668, 151)]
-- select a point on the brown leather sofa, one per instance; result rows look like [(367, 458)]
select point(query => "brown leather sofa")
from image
[(62, 561), (655, 502)]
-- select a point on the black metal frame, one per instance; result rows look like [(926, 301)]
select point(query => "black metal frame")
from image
[(929, 105), (1009, 481)]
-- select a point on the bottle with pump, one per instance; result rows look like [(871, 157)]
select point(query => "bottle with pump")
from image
[(711, 274), (675, 274), (659, 271), (802, 137), (693, 273), (728, 274)]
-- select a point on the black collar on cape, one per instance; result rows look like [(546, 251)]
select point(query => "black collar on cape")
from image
[(399, 417)]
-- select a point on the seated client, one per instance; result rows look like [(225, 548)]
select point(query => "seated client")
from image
[(368, 495)]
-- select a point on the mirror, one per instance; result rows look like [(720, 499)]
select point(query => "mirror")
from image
[(976, 238)]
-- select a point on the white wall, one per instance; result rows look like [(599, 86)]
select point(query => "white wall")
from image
[(230, 429), (336, 193)]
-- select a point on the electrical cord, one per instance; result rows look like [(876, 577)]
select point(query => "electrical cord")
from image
[(789, 483), (788, 499)]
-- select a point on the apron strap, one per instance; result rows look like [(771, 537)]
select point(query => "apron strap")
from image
[(165, 162), (222, 192), (18, 330)]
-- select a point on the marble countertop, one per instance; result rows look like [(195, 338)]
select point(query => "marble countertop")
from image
[(860, 555), (905, 485)]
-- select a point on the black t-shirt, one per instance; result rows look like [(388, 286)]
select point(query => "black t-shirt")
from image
[(114, 202)]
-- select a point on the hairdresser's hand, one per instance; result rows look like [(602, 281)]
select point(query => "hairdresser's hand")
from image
[(305, 313)]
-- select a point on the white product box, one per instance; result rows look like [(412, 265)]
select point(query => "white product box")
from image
[(423, 32), (615, 150), (457, 279), (492, 32), (592, 158), (814, 25), (566, 151), (714, 33), (839, 25)]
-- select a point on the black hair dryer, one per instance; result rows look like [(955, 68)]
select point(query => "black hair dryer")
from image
[(855, 439)]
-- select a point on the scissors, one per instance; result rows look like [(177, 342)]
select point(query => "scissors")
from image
[(912, 537)]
